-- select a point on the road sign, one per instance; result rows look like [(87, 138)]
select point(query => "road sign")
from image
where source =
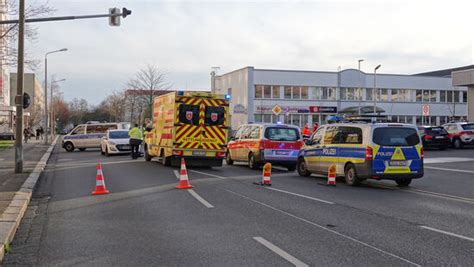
[(276, 110), (321, 109), (425, 110)]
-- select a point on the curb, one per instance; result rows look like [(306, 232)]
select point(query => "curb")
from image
[(11, 217)]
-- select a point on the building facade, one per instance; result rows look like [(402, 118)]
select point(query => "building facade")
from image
[(7, 109), (310, 96), (35, 90)]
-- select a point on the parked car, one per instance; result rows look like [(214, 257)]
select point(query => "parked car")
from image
[(86, 136), (257, 144), (460, 133), (363, 151), (115, 142), (434, 137)]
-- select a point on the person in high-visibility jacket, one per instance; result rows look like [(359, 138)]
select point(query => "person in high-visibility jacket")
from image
[(135, 140)]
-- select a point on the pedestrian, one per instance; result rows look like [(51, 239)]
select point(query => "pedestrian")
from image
[(41, 132), (26, 134), (37, 133), (135, 140), (315, 126), (305, 131)]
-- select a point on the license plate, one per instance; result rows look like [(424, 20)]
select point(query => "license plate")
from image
[(126, 147), (281, 152), (439, 137), (199, 153), (397, 163)]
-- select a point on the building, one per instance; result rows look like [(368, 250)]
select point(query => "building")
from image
[(7, 109), (33, 88), (310, 96)]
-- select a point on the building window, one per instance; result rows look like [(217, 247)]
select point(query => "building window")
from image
[(456, 97), (442, 96), (329, 93), (267, 91), (442, 120), (315, 93), (258, 91), (449, 96), (404, 95), (419, 94), (287, 92), (276, 91), (383, 95), (369, 94), (433, 95), (304, 92), (426, 96), (394, 95), (464, 97)]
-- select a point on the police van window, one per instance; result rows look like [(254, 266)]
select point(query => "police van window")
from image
[(282, 134), (350, 135), (100, 128), (330, 134), (396, 136), (189, 114), (214, 116), (78, 130), (255, 133)]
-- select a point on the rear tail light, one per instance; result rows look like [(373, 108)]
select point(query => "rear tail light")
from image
[(178, 152), (467, 132), (427, 136), (220, 154), (369, 153), (422, 153)]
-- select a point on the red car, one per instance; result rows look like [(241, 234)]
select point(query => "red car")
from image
[(460, 133), (257, 144)]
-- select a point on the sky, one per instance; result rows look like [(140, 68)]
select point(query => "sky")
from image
[(184, 39)]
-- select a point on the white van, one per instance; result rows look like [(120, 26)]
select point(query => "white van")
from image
[(89, 135)]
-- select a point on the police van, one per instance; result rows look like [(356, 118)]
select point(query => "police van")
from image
[(363, 151), (89, 135)]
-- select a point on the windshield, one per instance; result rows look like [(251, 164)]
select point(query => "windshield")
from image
[(282, 134), (469, 126), (396, 136), (118, 135), (436, 130)]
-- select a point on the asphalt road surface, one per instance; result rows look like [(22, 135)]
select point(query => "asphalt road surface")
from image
[(226, 220)]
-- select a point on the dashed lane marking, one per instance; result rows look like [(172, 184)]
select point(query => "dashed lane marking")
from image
[(176, 173), (448, 169), (299, 195), (208, 174), (445, 160), (447, 233), (200, 199), (326, 229), (280, 252)]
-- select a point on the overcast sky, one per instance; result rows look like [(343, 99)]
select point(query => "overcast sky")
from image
[(186, 38)]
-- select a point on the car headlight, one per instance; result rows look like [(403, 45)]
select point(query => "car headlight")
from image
[(112, 143)]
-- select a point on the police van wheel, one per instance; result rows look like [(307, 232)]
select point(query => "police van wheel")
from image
[(302, 168), (350, 175), (69, 147), (403, 182), (252, 164)]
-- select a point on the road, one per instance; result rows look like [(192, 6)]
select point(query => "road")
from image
[(226, 220)]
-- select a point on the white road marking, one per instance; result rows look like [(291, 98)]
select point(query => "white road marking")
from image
[(445, 160), (64, 159), (447, 233), (325, 229), (177, 174), (447, 169), (202, 200), (2, 159), (280, 252), (299, 195), (208, 174)]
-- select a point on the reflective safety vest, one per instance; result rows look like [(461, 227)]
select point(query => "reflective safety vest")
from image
[(135, 133)]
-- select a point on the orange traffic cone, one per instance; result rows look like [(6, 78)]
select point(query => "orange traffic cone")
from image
[(100, 183), (332, 175), (267, 172), (183, 177)]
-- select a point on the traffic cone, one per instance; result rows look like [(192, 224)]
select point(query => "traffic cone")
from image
[(100, 183), (183, 177), (267, 172), (332, 175)]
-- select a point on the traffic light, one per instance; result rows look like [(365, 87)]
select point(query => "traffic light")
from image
[(115, 20), (125, 12)]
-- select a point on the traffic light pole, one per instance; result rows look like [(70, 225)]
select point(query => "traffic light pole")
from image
[(19, 90)]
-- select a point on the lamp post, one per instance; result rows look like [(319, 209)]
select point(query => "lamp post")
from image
[(375, 86), (46, 91), (52, 119), (360, 90)]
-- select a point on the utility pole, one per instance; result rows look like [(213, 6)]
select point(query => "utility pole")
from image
[(374, 93), (359, 95), (19, 90)]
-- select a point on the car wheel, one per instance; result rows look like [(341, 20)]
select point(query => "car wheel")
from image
[(302, 168), (228, 159), (403, 182), (147, 156), (167, 161), (457, 143), (252, 163), (291, 168), (101, 151), (107, 152), (69, 147), (82, 149), (350, 175)]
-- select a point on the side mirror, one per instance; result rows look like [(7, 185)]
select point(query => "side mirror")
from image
[(308, 142)]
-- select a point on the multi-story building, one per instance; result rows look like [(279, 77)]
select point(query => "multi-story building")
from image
[(310, 96), (7, 109), (34, 89)]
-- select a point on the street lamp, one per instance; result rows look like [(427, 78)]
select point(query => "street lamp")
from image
[(46, 91), (375, 84), (359, 96), (51, 103)]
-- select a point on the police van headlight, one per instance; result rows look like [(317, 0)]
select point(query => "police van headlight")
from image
[(112, 143)]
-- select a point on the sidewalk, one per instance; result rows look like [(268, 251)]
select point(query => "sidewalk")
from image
[(11, 183)]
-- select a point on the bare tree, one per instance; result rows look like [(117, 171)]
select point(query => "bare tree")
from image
[(9, 32)]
